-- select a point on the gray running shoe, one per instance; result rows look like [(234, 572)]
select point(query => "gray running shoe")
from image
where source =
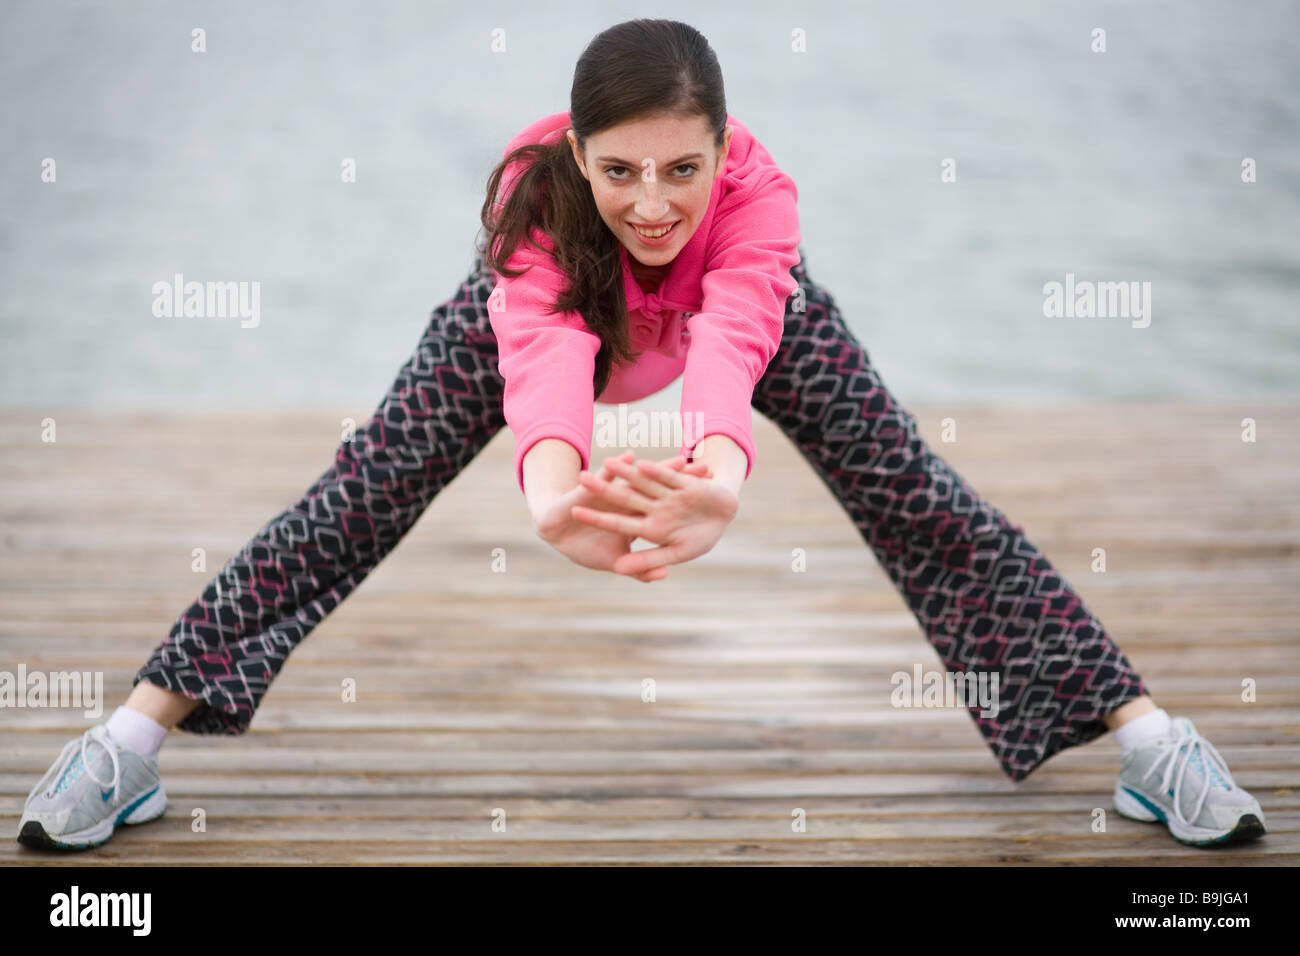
[(73, 808), (1181, 781)]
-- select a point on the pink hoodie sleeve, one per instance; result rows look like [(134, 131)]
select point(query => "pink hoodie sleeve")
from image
[(752, 247), (546, 358)]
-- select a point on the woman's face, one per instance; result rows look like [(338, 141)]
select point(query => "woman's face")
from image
[(652, 173)]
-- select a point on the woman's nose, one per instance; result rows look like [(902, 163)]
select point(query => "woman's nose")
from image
[(651, 204)]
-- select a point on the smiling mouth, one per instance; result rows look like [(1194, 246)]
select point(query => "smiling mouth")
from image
[(658, 233)]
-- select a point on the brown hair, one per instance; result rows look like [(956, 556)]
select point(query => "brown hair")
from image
[(638, 69)]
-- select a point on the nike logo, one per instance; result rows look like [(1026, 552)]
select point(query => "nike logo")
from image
[(105, 796)]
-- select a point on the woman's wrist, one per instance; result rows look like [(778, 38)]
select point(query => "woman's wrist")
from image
[(727, 460)]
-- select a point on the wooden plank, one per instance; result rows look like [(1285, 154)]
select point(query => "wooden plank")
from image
[(1283, 803), (135, 848), (1019, 831)]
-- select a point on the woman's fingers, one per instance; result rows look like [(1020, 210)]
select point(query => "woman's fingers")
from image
[(617, 495), (652, 486), (658, 472), (623, 508), (604, 473), (636, 495), (626, 525), (637, 562), (678, 464)]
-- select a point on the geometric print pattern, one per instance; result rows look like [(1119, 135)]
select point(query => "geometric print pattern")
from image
[(985, 597), (442, 409)]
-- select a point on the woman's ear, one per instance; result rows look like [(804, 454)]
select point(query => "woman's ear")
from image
[(572, 137), (723, 152)]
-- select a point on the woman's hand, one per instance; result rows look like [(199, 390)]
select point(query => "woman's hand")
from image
[(683, 513), (594, 547)]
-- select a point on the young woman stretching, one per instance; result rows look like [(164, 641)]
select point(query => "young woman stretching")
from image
[(642, 236)]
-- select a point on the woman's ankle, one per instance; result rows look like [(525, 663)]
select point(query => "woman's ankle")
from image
[(1130, 711), (166, 707), (130, 728)]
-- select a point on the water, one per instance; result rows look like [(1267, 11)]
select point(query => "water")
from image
[(1123, 165)]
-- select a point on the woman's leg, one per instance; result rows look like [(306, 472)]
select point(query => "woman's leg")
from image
[(166, 707), (442, 409), (986, 597)]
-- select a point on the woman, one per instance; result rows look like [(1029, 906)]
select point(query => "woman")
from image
[(642, 236)]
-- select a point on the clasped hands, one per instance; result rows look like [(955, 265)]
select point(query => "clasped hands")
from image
[(674, 504)]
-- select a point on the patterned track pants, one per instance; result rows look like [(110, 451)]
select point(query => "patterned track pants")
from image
[(988, 600)]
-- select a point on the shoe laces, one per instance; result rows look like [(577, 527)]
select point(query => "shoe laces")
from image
[(99, 735), (1185, 749)]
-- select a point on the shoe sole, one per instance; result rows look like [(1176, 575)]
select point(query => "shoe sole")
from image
[(1248, 826), (146, 807)]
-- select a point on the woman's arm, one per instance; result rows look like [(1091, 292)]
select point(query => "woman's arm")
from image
[(550, 470)]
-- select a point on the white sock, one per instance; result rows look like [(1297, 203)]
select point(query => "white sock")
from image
[(1141, 729), (140, 732)]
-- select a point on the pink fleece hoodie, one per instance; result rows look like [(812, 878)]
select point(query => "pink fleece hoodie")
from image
[(716, 317)]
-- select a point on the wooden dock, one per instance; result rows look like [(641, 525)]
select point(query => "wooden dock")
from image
[(480, 692)]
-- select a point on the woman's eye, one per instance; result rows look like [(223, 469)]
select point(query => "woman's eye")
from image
[(690, 168)]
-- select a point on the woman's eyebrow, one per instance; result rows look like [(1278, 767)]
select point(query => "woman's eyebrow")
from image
[(624, 162)]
